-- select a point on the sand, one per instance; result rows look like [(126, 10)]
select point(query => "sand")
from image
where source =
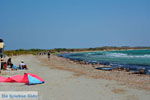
[(66, 80)]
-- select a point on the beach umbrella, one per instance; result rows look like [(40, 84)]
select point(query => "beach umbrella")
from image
[(32, 79), (2, 79), (27, 78), (17, 78), (6, 79), (10, 80)]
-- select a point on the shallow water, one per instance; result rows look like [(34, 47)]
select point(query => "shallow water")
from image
[(132, 59)]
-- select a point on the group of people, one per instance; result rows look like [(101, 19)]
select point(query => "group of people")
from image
[(5, 65), (45, 53)]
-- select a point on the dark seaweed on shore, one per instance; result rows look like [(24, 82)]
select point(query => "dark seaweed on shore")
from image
[(137, 69)]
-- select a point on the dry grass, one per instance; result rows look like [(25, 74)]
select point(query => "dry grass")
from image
[(119, 91)]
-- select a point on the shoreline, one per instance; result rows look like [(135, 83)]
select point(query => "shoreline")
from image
[(66, 80), (107, 66), (139, 81)]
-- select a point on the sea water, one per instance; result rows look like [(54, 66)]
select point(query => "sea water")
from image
[(132, 59)]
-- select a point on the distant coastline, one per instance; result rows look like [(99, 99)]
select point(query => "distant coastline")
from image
[(63, 50)]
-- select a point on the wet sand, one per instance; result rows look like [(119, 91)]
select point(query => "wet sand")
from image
[(66, 80)]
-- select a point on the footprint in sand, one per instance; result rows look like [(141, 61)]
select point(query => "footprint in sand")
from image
[(119, 91)]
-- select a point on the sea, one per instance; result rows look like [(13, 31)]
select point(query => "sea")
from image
[(131, 59)]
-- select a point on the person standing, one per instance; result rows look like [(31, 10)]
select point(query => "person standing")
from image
[(49, 54), (2, 64)]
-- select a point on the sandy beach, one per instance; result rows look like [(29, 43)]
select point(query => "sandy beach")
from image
[(66, 80)]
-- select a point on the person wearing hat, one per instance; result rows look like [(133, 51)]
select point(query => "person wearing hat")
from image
[(22, 65)]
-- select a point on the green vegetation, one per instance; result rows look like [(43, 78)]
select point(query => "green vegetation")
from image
[(62, 50), (22, 52)]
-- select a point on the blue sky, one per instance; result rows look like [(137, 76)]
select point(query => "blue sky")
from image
[(49, 24)]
